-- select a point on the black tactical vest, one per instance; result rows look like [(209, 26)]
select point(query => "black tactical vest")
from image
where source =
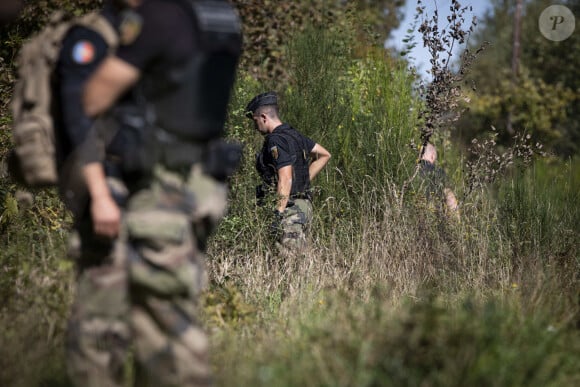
[(301, 162), (190, 102)]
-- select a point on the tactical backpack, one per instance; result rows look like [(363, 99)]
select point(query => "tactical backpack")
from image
[(33, 158)]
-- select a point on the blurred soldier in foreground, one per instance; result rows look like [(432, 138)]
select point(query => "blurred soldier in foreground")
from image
[(436, 187), (96, 347), (287, 163), (154, 204)]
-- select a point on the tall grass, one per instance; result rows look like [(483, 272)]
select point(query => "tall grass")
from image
[(35, 291), (405, 299), (391, 294), (341, 341)]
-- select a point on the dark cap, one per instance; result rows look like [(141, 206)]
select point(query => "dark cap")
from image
[(268, 98)]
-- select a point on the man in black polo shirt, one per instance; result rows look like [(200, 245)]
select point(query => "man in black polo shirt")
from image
[(287, 163)]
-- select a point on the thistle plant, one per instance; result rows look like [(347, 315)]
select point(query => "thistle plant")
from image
[(487, 164), (443, 95)]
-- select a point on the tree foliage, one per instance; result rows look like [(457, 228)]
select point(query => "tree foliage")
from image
[(538, 107), (269, 24), (544, 95), (381, 16), (444, 93)]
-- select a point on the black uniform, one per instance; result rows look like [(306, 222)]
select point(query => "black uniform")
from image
[(186, 79), (286, 146), (435, 180)]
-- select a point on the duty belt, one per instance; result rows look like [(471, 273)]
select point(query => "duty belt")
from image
[(179, 155), (301, 195), (175, 152)]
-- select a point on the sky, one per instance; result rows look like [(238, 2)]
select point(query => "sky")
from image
[(420, 53)]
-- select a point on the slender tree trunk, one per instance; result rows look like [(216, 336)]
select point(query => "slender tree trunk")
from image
[(515, 57), (517, 33)]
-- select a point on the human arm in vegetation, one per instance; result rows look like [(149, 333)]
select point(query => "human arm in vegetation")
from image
[(320, 157)]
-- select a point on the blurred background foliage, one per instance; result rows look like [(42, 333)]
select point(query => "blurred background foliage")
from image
[(269, 23), (545, 95)]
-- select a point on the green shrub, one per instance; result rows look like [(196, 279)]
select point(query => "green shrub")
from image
[(538, 215), (336, 339)]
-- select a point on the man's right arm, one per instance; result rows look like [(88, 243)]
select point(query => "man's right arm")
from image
[(113, 77), (105, 213), (82, 52)]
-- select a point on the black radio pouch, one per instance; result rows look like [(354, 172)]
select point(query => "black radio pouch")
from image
[(191, 101), (222, 159)]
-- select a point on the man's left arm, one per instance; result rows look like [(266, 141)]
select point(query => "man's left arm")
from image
[(320, 157), (451, 202)]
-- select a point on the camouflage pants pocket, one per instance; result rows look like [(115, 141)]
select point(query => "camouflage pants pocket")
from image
[(162, 255), (171, 348), (207, 198), (294, 224), (98, 333)]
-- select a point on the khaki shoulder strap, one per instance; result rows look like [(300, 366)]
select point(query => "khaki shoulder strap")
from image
[(98, 23)]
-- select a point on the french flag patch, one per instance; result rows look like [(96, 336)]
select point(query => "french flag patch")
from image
[(83, 52)]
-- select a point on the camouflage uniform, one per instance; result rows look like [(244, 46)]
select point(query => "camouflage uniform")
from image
[(143, 287), (294, 226)]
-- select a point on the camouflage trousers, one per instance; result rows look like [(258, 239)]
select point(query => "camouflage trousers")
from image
[(294, 227), (140, 291)]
